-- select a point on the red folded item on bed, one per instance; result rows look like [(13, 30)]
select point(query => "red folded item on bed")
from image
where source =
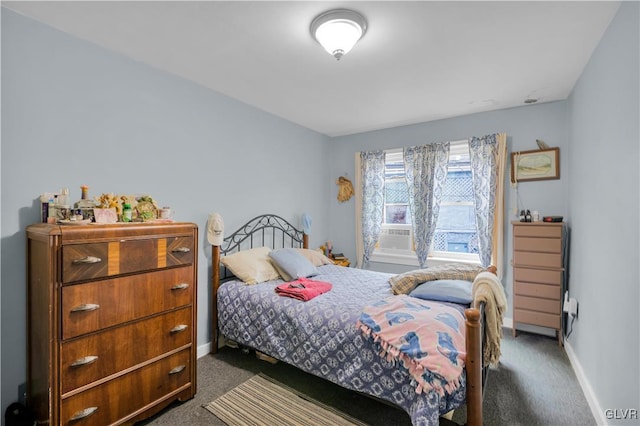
[(303, 289)]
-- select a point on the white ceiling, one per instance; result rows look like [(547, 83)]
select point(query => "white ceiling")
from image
[(419, 60)]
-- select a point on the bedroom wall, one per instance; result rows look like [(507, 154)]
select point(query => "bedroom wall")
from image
[(603, 201), (74, 113)]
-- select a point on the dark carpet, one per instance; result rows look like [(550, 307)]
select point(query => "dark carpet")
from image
[(534, 384)]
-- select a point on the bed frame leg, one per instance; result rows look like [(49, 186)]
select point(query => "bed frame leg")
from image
[(474, 367), (215, 281)]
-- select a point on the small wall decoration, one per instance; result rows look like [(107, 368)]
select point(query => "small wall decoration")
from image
[(539, 164), (345, 190)]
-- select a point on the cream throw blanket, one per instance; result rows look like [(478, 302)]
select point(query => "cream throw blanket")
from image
[(487, 288)]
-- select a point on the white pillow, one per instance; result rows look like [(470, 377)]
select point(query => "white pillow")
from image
[(251, 266), (316, 257)]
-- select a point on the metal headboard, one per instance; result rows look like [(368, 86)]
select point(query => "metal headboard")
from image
[(268, 230)]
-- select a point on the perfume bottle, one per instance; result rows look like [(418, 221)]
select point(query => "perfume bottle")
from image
[(127, 213), (85, 205)]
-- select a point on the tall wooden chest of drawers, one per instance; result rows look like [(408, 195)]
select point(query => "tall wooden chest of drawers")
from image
[(111, 322), (538, 273)]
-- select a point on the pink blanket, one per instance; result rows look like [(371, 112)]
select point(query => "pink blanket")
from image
[(427, 337), (303, 289)]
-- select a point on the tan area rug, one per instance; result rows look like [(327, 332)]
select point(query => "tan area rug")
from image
[(262, 401)]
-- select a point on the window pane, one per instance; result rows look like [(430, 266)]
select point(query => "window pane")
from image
[(396, 191), (458, 187), (456, 217), (397, 214), (456, 227), (459, 242), (396, 200)]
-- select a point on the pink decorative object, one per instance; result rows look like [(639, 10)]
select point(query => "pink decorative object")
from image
[(105, 215)]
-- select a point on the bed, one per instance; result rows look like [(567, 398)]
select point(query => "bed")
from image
[(322, 336)]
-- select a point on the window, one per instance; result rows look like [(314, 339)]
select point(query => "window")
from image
[(455, 235)]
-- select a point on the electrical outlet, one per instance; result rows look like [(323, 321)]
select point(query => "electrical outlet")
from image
[(22, 393), (573, 307)]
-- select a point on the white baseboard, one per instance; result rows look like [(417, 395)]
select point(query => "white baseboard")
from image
[(203, 350), (592, 400), (507, 322)]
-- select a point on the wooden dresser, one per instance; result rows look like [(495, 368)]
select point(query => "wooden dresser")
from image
[(111, 320), (538, 275)]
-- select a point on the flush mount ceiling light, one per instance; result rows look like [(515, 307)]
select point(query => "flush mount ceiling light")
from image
[(338, 30)]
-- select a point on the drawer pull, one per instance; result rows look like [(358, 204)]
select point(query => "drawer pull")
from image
[(84, 361), (181, 250), (177, 369), (88, 259), (83, 414), (179, 328), (180, 286), (85, 307)]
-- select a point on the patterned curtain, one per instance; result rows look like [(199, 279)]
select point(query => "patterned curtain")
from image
[(372, 174), (483, 154), (425, 170)]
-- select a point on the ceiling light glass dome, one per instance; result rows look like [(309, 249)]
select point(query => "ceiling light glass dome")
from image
[(338, 30)]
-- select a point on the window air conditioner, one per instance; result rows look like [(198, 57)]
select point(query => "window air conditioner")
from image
[(395, 239)]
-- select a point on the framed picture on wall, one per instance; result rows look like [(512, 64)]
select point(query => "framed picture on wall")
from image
[(540, 164)]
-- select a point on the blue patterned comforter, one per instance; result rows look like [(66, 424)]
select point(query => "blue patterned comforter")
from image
[(320, 336)]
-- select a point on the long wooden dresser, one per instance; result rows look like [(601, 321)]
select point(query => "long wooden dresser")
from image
[(111, 320), (538, 272)]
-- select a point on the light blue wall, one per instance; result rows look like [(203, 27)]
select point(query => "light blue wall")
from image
[(73, 114), (523, 126), (603, 202)]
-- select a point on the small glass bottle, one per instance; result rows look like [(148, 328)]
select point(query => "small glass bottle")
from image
[(53, 210), (84, 192), (522, 217), (63, 198), (51, 214), (535, 216), (84, 204), (127, 213), (527, 216)]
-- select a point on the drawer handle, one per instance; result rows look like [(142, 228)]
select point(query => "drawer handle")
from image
[(180, 286), (85, 307), (181, 250), (88, 259), (177, 369), (83, 414), (179, 328), (84, 361)]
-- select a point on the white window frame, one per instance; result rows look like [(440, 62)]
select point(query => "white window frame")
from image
[(408, 257)]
